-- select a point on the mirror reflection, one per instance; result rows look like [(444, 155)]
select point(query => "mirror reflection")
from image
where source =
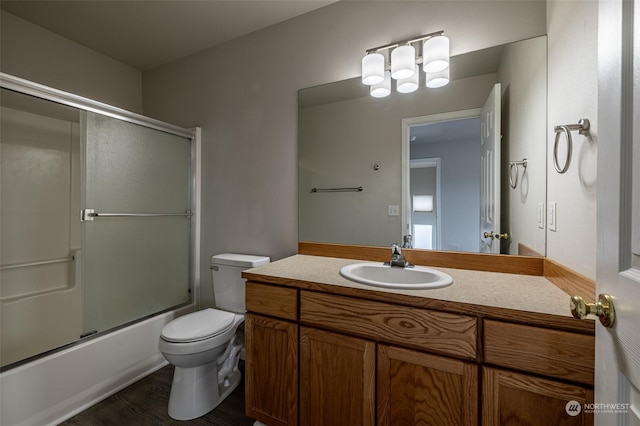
[(454, 144)]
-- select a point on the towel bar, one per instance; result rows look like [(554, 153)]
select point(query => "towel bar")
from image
[(582, 127)]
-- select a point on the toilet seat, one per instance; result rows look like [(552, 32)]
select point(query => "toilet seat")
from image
[(196, 326)]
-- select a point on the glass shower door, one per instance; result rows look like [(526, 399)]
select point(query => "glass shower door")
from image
[(136, 221)]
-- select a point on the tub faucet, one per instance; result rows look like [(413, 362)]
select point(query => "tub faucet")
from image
[(397, 259)]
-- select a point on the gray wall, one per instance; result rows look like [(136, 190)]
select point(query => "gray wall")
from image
[(524, 79), (33, 53), (249, 114), (573, 94)]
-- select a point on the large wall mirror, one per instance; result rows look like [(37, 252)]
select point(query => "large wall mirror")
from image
[(368, 167)]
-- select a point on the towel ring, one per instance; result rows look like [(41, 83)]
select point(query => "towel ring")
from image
[(582, 127), (513, 165)]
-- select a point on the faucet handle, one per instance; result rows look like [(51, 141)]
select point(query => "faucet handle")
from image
[(395, 249)]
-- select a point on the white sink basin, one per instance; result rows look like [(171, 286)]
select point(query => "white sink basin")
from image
[(380, 275)]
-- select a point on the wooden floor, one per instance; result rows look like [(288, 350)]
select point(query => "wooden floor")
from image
[(145, 403)]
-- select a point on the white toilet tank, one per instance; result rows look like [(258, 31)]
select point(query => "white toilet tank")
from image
[(228, 284)]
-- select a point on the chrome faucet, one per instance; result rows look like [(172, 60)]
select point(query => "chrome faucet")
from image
[(397, 259)]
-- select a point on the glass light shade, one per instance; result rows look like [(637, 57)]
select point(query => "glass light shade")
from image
[(373, 68), (436, 54), (437, 79), (403, 61), (382, 89), (423, 203), (409, 84)]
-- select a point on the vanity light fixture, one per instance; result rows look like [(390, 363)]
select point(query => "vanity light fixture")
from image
[(383, 88), (409, 84), (403, 61), (404, 64), (437, 79), (373, 68), (436, 54)]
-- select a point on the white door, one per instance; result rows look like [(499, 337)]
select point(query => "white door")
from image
[(490, 173), (617, 388)]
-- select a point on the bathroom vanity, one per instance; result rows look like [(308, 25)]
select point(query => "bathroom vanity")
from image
[(494, 348)]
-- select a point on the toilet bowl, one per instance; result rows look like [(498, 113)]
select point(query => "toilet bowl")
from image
[(205, 346)]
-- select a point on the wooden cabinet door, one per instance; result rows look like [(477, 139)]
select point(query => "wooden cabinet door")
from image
[(517, 399), (337, 379), (271, 370), (415, 388)]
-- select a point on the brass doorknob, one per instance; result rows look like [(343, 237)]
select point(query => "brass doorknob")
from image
[(603, 309)]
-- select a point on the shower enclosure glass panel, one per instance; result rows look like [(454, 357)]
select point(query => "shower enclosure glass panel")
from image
[(40, 293), (136, 246), (62, 278)]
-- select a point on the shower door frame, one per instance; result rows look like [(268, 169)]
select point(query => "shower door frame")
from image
[(27, 87), (37, 90)]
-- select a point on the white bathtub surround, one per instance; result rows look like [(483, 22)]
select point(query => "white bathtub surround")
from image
[(55, 388)]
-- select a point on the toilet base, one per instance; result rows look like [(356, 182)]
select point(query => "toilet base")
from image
[(195, 391)]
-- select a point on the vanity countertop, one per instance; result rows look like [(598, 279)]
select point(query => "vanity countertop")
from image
[(521, 298)]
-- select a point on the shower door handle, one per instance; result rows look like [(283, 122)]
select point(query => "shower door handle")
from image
[(90, 214), (87, 215)]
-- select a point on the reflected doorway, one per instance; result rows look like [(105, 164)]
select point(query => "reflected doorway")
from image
[(425, 203), (454, 140)]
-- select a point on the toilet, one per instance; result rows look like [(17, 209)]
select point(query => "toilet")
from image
[(205, 346)]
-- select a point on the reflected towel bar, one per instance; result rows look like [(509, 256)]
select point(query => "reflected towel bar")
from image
[(513, 165), (354, 189), (37, 263), (90, 214)]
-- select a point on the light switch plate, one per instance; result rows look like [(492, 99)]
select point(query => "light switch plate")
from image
[(394, 210), (541, 215), (553, 216)]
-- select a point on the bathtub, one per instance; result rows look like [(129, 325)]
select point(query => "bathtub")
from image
[(52, 389)]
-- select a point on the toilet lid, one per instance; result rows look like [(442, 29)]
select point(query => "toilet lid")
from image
[(198, 325)]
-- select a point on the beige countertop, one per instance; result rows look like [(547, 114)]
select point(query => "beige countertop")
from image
[(523, 298)]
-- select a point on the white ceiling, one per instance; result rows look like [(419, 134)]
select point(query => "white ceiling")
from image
[(148, 33), (446, 131)]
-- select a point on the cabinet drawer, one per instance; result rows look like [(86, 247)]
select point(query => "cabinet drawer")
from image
[(280, 302), (410, 327), (554, 353)]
